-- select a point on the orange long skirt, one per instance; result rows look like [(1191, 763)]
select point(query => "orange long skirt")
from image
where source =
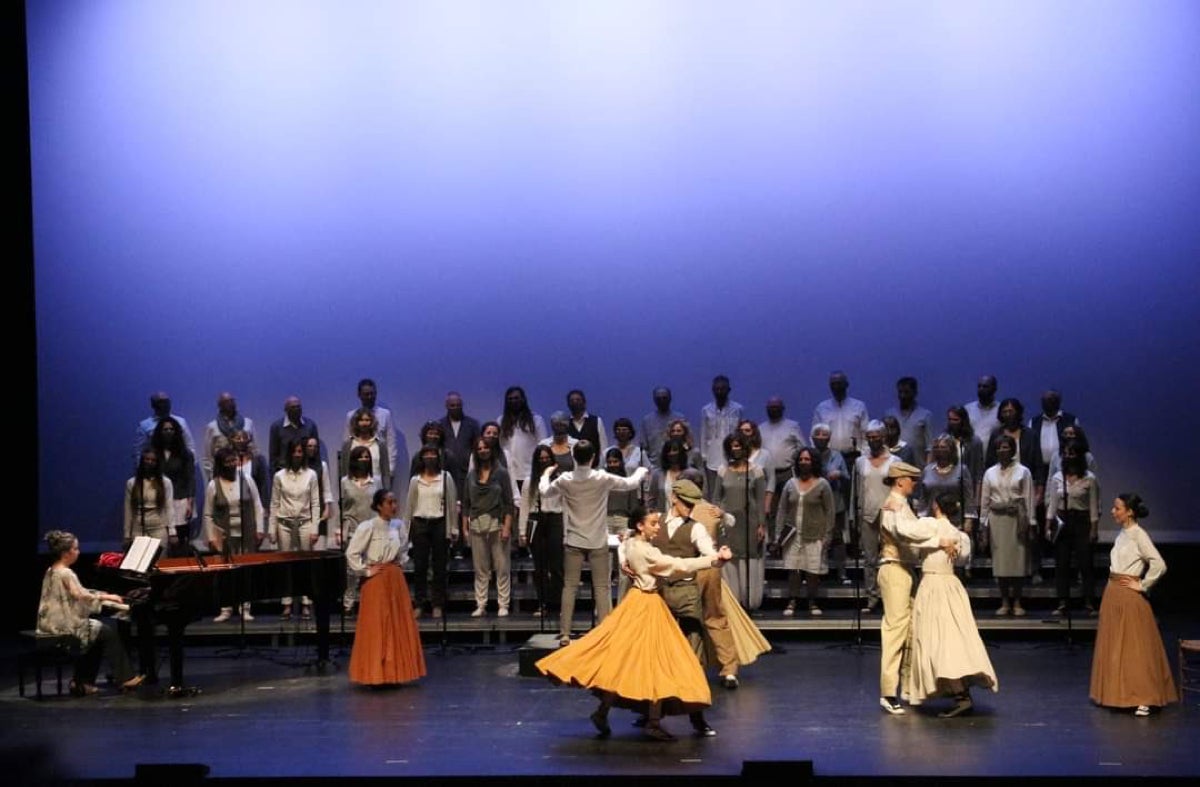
[(637, 654), (387, 643), (1129, 665)]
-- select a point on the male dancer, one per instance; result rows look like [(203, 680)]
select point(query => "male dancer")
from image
[(682, 536), (716, 624), (900, 532)]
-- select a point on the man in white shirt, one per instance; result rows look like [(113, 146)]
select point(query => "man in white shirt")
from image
[(718, 419), (584, 493), (781, 439), (984, 412), (385, 431), (846, 417)]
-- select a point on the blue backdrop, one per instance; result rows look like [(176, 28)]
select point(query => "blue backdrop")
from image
[(283, 197)]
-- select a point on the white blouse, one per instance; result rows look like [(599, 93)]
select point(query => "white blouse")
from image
[(1133, 551), (650, 563), (377, 541)]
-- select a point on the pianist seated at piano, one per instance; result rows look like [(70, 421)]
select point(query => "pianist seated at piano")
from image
[(66, 608), (233, 516), (387, 643)]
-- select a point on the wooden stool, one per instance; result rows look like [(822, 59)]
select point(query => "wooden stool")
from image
[(47, 650)]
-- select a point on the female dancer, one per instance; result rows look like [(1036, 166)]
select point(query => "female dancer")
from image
[(65, 609), (1129, 665), (947, 655), (387, 645), (637, 658)]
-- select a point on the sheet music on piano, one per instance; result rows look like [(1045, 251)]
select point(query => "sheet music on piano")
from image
[(141, 555)]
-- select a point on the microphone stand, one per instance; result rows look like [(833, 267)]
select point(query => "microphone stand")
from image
[(342, 541), (962, 503), (1065, 518), (445, 569), (746, 538), (541, 555), (855, 517)]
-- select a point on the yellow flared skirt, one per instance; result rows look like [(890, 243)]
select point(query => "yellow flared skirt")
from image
[(639, 655), (748, 641)]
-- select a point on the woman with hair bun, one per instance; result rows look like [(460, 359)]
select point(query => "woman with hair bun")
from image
[(1129, 665), (66, 608), (637, 657), (387, 644)]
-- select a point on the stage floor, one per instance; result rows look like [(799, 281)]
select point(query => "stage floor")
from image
[(265, 713)]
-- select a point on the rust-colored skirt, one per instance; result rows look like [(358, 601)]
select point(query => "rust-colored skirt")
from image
[(637, 654), (1129, 666), (387, 642)]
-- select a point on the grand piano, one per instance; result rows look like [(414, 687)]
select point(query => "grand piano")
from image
[(178, 590)]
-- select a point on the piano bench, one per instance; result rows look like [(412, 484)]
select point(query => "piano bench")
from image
[(45, 651)]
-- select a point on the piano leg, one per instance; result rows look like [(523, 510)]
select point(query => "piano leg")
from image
[(323, 604), (146, 645)]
